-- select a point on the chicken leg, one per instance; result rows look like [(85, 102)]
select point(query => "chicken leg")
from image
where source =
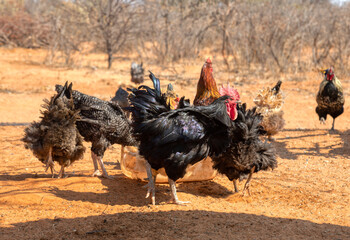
[(97, 159), (235, 185), (247, 183), (173, 193), (151, 183), (50, 164), (61, 173), (122, 150), (333, 124), (96, 171)]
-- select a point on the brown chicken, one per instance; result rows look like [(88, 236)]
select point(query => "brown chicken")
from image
[(269, 103), (207, 90)]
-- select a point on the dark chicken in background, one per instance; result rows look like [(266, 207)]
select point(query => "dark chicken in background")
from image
[(330, 98), (121, 97), (55, 138), (103, 123), (269, 103), (207, 91), (175, 139), (136, 72)]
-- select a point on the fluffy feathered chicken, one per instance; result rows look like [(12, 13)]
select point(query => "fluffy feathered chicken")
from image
[(207, 91), (269, 102), (136, 73), (330, 98), (175, 139), (246, 153), (102, 123), (55, 138)]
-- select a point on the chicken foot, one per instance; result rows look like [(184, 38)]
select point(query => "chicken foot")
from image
[(173, 193), (247, 183)]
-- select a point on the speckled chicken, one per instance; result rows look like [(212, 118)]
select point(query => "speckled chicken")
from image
[(55, 138), (103, 123), (269, 102)]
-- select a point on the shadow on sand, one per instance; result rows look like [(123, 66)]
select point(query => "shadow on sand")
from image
[(174, 225), (333, 149), (120, 190)]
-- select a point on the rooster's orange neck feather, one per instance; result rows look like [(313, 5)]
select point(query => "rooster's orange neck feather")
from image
[(206, 87)]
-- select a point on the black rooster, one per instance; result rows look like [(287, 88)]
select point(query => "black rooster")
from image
[(330, 99), (55, 138), (247, 153), (175, 139), (102, 123)]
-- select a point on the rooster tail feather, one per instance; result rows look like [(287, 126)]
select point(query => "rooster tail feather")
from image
[(144, 104), (156, 84), (277, 87)]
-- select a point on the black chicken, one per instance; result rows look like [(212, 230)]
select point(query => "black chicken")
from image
[(55, 138), (175, 139), (102, 123), (247, 153), (136, 73), (121, 97), (330, 98)]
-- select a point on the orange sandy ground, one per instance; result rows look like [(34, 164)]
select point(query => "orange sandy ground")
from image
[(306, 197)]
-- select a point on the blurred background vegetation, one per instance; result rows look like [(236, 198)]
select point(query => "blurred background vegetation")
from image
[(280, 36)]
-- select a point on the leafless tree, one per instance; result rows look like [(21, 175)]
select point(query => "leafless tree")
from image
[(279, 36), (111, 22)]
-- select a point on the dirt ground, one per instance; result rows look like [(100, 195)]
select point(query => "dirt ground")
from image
[(306, 197)]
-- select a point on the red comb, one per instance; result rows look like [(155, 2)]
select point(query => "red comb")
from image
[(208, 60)]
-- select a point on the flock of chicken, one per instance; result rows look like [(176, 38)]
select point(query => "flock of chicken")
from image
[(169, 132)]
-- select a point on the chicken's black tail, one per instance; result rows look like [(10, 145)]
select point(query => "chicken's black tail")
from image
[(145, 102), (277, 87), (156, 84)]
